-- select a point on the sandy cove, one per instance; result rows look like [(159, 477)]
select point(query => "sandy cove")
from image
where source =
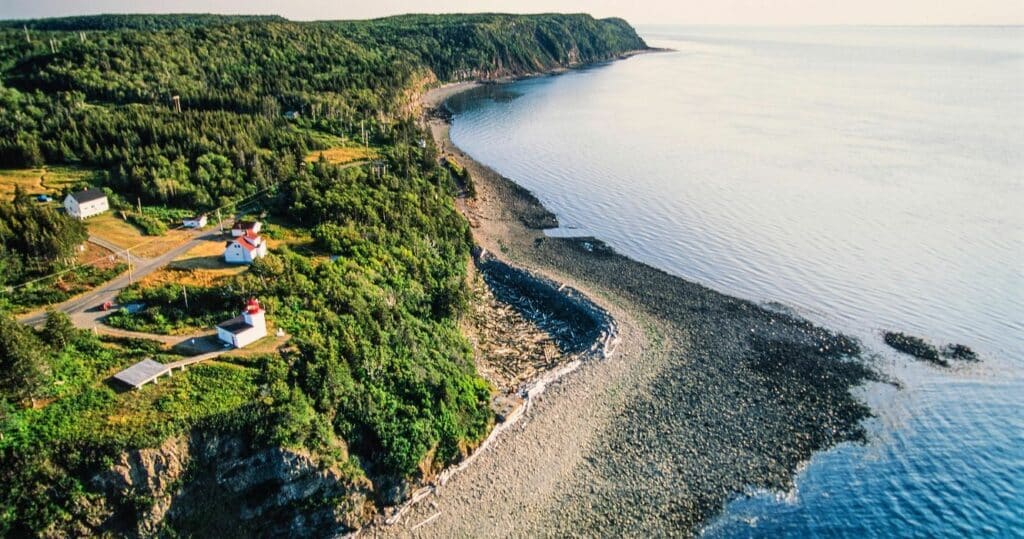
[(705, 396)]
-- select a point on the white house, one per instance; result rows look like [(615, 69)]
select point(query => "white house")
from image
[(242, 228), (245, 249), (85, 204), (198, 221), (246, 328)]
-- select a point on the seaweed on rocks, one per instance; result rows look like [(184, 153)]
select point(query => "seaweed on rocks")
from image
[(914, 346), (573, 321), (959, 352)]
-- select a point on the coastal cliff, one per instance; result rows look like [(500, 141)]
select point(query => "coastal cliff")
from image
[(209, 484), (495, 46), (377, 390)]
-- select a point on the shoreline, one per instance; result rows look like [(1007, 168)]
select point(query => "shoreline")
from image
[(709, 394)]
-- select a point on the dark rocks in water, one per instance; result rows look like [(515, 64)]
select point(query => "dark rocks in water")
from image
[(959, 352), (922, 349), (914, 346)]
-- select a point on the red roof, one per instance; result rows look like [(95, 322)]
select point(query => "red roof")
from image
[(248, 242), (252, 306)]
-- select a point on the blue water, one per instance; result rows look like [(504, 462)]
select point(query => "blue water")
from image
[(867, 178)]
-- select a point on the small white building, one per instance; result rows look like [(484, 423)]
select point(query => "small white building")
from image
[(85, 204), (241, 228), (246, 328), (198, 221), (245, 249)]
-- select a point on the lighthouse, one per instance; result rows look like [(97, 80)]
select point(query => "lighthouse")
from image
[(248, 327)]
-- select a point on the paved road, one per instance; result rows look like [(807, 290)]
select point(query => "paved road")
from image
[(82, 309)]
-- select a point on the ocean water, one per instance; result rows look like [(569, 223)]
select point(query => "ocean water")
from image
[(867, 178)]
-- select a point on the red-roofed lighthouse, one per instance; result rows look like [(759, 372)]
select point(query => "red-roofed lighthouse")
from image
[(246, 328)]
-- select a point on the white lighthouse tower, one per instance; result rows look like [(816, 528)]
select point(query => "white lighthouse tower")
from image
[(246, 328)]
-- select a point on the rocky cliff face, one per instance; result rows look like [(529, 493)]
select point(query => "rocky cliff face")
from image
[(218, 485)]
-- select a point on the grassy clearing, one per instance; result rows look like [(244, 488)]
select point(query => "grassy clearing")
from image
[(266, 346), (207, 257), (339, 155), (39, 181), (280, 232), (190, 277), (88, 406), (338, 150), (116, 230)]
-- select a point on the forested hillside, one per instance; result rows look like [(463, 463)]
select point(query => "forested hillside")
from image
[(201, 112)]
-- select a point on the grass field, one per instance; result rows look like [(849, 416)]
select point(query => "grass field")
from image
[(190, 277), (340, 155), (207, 256), (112, 228), (203, 265), (268, 345), (37, 181), (97, 256), (279, 232)]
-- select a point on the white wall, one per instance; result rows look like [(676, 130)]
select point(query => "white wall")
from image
[(236, 254), (248, 337), (84, 211)]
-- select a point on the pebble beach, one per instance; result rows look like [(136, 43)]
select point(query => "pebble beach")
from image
[(705, 396)]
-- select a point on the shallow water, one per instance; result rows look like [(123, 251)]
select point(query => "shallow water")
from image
[(867, 178)]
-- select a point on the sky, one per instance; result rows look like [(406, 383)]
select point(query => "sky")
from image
[(767, 12)]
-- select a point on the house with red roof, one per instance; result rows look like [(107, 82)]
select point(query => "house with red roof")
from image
[(245, 249), (241, 228)]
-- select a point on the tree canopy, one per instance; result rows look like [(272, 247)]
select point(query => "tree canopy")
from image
[(191, 112)]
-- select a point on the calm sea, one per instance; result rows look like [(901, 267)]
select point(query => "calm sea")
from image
[(866, 178)]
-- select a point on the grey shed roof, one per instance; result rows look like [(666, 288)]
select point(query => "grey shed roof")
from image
[(235, 326), (141, 373), (88, 195)]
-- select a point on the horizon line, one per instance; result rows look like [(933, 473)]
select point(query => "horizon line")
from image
[(635, 24)]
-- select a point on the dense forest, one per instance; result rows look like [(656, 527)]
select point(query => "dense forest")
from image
[(198, 112)]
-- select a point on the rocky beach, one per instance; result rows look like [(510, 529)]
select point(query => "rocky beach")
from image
[(705, 397)]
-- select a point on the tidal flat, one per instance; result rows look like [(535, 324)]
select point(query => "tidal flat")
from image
[(707, 396)]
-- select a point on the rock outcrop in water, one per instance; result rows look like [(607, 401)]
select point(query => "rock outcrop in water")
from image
[(959, 352), (922, 349), (914, 346)]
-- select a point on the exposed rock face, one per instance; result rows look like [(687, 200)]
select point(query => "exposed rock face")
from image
[(218, 485)]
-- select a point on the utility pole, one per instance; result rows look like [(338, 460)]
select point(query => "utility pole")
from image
[(28, 39), (362, 127), (184, 291), (219, 222), (139, 201), (128, 254)]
